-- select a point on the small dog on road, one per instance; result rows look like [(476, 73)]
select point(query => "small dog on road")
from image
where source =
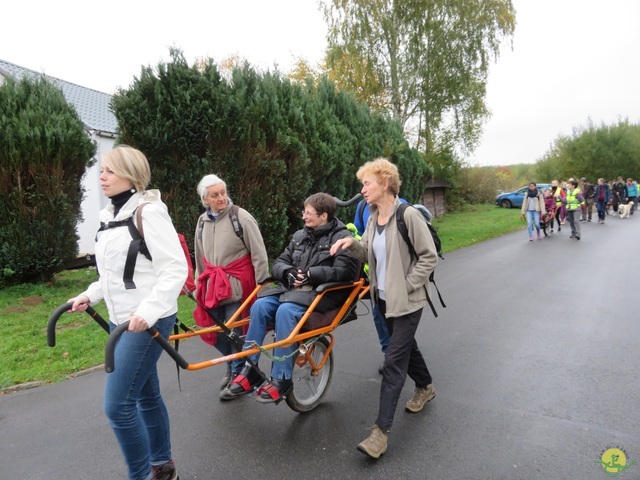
[(625, 210)]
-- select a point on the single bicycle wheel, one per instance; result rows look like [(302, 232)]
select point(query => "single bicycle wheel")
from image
[(309, 388)]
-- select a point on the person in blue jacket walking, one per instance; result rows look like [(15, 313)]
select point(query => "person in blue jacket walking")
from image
[(602, 197)]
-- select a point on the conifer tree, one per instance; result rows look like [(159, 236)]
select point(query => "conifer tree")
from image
[(44, 153)]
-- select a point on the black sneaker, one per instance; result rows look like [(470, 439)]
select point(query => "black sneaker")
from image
[(275, 390), (226, 380), (246, 381)]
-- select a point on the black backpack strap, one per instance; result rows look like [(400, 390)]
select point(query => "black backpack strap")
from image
[(130, 263), (404, 233), (200, 228), (176, 343), (235, 222), (433, 280), (136, 246), (143, 248), (403, 230)]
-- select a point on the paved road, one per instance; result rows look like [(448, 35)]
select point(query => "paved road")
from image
[(535, 364)]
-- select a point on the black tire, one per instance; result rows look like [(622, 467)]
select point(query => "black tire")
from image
[(308, 389), (505, 203)]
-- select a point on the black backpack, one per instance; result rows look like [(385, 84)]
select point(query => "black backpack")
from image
[(404, 232)]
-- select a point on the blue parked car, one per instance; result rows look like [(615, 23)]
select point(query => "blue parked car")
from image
[(514, 199)]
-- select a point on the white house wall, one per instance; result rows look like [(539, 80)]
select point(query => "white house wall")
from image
[(93, 200)]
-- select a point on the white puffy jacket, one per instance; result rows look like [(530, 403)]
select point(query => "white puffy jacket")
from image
[(158, 281)]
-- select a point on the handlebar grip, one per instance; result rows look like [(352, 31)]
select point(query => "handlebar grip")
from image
[(110, 347), (57, 313), (348, 203), (53, 319)]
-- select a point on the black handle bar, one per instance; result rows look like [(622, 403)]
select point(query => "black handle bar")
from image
[(110, 347), (348, 203), (53, 319)]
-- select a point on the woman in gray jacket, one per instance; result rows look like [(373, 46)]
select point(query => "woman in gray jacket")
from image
[(399, 285), (230, 257)]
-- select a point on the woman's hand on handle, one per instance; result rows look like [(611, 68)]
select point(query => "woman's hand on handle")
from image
[(342, 244), (79, 303), (137, 324)]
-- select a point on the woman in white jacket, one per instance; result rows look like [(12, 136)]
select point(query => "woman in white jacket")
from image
[(148, 297)]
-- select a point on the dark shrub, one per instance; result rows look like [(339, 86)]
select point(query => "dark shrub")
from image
[(44, 152)]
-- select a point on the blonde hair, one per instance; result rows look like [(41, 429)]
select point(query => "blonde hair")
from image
[(383, 170), (130, 164)]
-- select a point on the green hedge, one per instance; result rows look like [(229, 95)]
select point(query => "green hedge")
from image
[(44, 152), (274, 142)]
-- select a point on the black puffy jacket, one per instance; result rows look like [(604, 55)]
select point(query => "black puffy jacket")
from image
[(309, 252)]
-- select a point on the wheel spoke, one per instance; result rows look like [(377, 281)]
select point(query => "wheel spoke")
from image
[(310, 385)]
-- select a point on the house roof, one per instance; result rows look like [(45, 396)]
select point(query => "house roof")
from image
[(92, 106)]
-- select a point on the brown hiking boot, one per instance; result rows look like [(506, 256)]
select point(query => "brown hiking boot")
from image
[(420, 398), (166, 471), (376, 444)]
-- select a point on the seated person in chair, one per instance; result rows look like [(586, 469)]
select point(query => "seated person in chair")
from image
[(304, 265)]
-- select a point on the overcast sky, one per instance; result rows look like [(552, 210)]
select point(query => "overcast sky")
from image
[(571, 60)]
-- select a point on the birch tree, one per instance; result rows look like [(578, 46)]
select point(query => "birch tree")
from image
[(426, 62)]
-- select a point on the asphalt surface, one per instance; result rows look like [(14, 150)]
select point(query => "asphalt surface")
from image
[(534, 362)]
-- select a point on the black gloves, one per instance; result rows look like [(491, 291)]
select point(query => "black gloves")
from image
[(296, 278)]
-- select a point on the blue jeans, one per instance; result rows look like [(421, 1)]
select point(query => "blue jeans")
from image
[(601, 206), (533, 218), (224, 313), (381, 328), (268, 311), (133, 404)]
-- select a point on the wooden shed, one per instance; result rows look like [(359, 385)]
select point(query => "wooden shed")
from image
[(433, 196)]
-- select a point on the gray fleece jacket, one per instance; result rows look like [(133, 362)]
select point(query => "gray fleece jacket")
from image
[(407, 280)]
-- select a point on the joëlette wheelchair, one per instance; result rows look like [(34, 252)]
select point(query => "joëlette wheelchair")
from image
[(313, 359)]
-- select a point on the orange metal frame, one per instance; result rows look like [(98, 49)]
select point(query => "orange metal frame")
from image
[(358, 290)]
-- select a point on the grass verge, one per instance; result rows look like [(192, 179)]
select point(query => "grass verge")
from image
[(25, 309), (476, 224)]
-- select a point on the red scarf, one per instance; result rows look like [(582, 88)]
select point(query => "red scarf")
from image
[(214, 286)]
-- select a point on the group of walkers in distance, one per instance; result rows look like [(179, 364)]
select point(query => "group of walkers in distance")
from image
[(574, 202), (230, 259)]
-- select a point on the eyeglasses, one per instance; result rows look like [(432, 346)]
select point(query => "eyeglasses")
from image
[(309, 214)]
